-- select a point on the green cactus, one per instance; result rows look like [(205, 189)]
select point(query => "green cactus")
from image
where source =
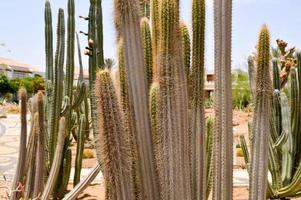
[(79, 150), (186, 47), (55, 108), (209, 151), (197, 99), (261, 123), (48, 41), (252, 74), (147, 47), (223, 133), (155, 16)]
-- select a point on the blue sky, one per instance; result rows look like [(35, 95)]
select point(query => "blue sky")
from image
[(22, 27)]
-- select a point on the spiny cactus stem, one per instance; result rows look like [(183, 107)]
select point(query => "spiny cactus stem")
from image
[(22, 149), (261, 126), (55, 168)]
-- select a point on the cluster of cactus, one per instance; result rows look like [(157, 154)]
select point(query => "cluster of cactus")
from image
[(274, 134), (65, 104), (151, 121), (149, 126)]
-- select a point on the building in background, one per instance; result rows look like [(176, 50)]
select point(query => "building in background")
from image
[(209, 84), (13, 69)]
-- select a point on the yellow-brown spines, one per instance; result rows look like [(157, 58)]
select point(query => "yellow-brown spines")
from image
[(196, 95), (263, 63), (157, 135), (186, 47), (147, 47), (262, 119), (115, 153), (128, 120)]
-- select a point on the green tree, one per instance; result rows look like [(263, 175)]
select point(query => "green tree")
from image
[(4, 85), (241, 94)]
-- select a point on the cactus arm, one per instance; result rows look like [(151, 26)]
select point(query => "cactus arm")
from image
[(286, 148), (276, 73), (274, 167), (80, 96), (252, 74), (295, 115), (75, 192), (57, 84), (79, 150), (70, 51), (261, 123), (223, 134), (209, 150), (245, 150), (147, 49), (55, 168), (298, 136), (186, 47), (22, 147), (197, 124), (81, 68), (48, 41)]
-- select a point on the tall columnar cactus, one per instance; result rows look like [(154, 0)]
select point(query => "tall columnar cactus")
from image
[(209, 151), (196, 94), (48, 41), (186, 47), (57, 96), (155, 15), (261, 123), (129, 120), (127, 13), (173, 104), (223, 133), (18, 179), (40, 155), (96, 59), (116, 153), (147, 49)]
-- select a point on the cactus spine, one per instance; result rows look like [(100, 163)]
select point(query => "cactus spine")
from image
[(155, 16), (261, 128), (197, 121), (223, 137)]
